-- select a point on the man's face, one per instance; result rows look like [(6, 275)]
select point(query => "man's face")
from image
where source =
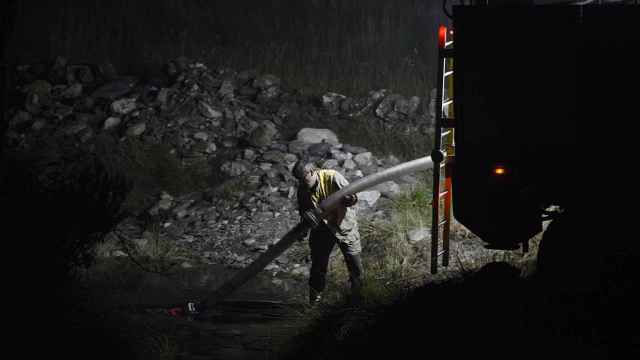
[(309, 179)]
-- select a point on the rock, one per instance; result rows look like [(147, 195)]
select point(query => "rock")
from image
[(263, 135), (75, 128), (249, 155), (118, 253), (163, 96), (331, 102), (137, 129), (417, 235), (80, 73), (391, 160), (72, 92), (278, 146), (165, 203), (371, 169), (253, 180), (209, 112), (408, 107), (313, 136), (265, 166), (269, 93), (33, 103), (114, 89), (234, 168), (61, 111), (38, 125), (356, 174), (246, 76), (300, 271), (201, 135), (291, 193), (111, 123), (298, 146), (353, 149), (364, 159), (273, 156), (389, 189), (319, 149), (124, 106), (387, 106), (183, 210), (226, 89), (290, 158), (340, 156), (21, 120), (211, 148), (229, 142), (353, 106), (39, 87), (108, 71), (378, 94), (58, 72), (266, 81), (368, 198), (349, 164), (247, 91), (330, 164)]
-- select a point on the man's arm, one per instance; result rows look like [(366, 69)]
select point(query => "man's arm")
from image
[(342, 182)]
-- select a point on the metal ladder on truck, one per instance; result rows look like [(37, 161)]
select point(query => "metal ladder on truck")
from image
[(443, 152)]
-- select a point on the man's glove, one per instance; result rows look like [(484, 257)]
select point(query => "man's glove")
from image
[(312, 217), (350, 200)]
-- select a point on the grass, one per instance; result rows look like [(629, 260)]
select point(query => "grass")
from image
[(368, 132), (155, 252), (152, 168), (393, 267), (322, 45)]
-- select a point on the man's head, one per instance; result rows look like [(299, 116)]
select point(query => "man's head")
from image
[(305, 172)]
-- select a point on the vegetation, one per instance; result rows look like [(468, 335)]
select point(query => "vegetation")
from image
[(393, 269), (319, 45)]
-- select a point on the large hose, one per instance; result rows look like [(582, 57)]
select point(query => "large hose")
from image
[(299, 230)]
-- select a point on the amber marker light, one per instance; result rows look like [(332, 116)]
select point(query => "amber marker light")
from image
[(499, 170)]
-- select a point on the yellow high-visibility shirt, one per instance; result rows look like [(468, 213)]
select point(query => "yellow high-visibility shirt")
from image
[(329, 181)]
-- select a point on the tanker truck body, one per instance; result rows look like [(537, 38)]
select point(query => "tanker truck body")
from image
[(544, 97)]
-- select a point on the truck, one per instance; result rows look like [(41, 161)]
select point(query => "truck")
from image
[(533, 119)]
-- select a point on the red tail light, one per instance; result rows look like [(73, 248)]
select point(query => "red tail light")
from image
[(442, 36)]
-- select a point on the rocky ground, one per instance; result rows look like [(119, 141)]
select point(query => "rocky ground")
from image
[(200, 113)]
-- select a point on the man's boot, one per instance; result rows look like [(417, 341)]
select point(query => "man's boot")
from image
[(315, 297)]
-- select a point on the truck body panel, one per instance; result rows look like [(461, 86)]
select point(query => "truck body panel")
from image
[(537, 90)]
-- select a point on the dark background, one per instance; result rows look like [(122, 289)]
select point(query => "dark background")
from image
[(316, 45)]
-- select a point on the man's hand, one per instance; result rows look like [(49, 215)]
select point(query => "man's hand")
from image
[(312, 217), (350, 200)]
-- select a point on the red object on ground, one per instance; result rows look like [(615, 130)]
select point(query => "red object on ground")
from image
[(175, 312)]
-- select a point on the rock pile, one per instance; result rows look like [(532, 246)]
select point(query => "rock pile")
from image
[(198, 111), (194, 109)]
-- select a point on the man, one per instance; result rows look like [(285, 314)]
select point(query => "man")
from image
[(340, 226)]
